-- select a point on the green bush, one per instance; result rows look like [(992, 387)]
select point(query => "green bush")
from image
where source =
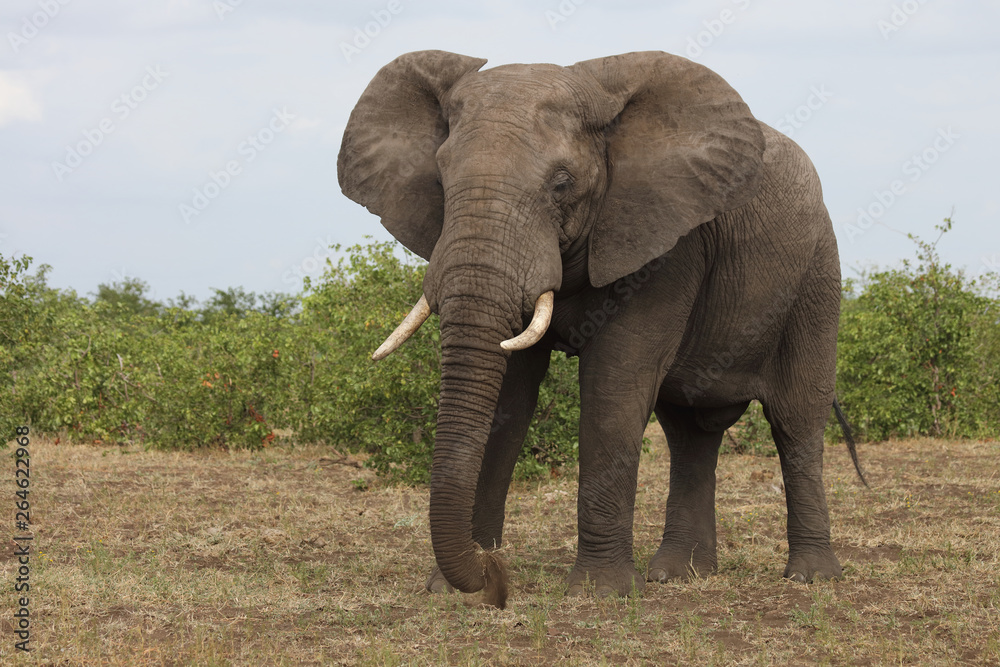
[(228, 383), (918, 352), (388, 408), (123, 369), (16, 314)]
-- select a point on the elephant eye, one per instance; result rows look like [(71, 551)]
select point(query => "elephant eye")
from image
[(562, 183)]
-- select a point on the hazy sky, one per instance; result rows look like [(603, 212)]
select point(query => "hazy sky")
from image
[(115, 115)]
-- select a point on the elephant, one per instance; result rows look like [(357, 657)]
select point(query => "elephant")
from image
[(632, 211)]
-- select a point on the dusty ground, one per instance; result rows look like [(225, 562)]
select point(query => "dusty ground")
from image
[(281, 558)]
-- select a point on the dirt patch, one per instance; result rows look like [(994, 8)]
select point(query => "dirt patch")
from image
[(278, 558)]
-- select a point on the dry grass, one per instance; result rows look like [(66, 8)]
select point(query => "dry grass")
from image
[(282, 558)]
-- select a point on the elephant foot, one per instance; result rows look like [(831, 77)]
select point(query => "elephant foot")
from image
[(805, 567), (669, 564), (620, 581), (436, 583)]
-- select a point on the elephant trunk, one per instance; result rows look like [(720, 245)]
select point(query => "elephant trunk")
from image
[(472, 370), (482, 286)]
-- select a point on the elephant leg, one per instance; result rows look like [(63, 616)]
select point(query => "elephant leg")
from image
[(797, 405), (798, 435), (614, 410), (621, 369), (689, 540), (515, 409)]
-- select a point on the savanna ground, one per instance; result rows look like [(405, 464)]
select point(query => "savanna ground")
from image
[(300, 556)]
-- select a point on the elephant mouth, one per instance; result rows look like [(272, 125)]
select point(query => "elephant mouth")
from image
[(540, 320)]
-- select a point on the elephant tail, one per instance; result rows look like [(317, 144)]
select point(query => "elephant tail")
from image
[(846, 428)]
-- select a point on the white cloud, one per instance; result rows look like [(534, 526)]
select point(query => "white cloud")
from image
[(17, 101)]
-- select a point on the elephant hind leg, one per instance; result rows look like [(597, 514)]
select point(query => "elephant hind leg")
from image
[(798, 435), (797, 402), (689, 539)]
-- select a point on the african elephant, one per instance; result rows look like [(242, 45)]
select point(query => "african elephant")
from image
[(629, 210)]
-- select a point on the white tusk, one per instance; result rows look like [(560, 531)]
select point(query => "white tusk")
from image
[(539, 323), (421, 311)]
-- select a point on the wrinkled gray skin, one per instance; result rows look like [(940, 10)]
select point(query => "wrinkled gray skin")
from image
[(695, 269)]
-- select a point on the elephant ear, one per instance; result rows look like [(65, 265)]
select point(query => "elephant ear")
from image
[(387, 158), (683, 149)]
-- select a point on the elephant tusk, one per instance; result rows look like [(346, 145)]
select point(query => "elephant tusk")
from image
[(539, 323), (417, 316)]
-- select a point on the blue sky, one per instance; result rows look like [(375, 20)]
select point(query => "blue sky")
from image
[(116, 116)]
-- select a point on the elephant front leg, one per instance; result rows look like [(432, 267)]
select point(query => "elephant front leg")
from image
[(689, 534), (514, 411), (614, 410)]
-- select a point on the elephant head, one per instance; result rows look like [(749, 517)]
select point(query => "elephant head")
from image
[(506, 179)]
